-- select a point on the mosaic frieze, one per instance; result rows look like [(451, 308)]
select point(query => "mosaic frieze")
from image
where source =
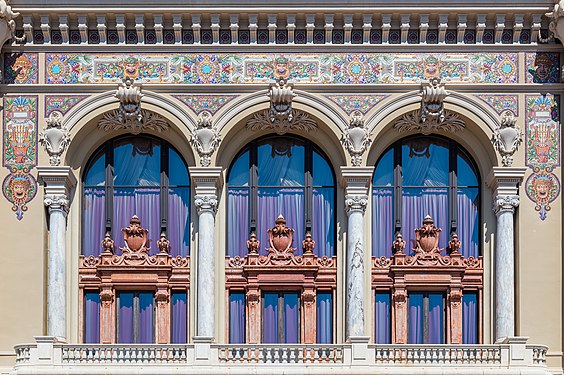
[(200, 103), (361, 103), (543, 67), (320, 68), (542, 139), (21, 68), (61, 103), (19, 150), (501, 103)]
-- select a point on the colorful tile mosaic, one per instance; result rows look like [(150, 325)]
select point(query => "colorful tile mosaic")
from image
[(61, 103), (542, 147), (200, 103), (543, 67), (19, 150), (21, 68), (351, 103), (373, 68), (19, 188), (20, 132), (501, 103)]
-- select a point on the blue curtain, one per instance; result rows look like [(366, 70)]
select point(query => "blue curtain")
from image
[(178, 325), (238, 222), (323, 221), (382, 221), (237, 318), (91, 317), (125, 319), (146, 318), (415, 318), (470, 318), (270, 318), (382, 321), (324, 318), (291, 318)]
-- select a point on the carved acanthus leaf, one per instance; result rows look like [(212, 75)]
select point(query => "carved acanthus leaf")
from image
[(149, 121), (412, 122), (356, 138), (205, 138), (300, 122)]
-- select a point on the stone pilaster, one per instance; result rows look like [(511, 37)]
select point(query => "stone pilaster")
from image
[(505, 182), (356, 181), (57, 182), (206, 182)]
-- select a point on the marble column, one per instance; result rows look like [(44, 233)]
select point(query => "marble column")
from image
[(206, 181), (356, 181), (505, 181), (206, 205), (57, 182), (505, 266)]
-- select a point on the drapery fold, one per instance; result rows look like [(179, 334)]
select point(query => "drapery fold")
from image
[(324, 317), (470, 318), (178, 223), (382, 221), (238, 222), (93, 229), (237, 318), (179, 307), (382, 318), (91, 317)]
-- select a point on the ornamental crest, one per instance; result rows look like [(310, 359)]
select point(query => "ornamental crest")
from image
[(280, 239)]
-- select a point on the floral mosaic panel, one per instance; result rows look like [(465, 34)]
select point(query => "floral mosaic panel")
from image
[(21, 68), (376, 68), (200, 103), (542, 141), (19, 150), (351, 103), (543, 67), (501, 103), (61, 103)]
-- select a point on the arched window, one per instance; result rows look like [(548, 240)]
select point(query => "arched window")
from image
[(285, 176), (141, 176), (425, 175)]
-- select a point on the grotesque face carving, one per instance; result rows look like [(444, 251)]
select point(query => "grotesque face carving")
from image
[(543, 188), (131, 68), (19, 187), (543, 67), (281, 68), (22, 67), (431, 68)]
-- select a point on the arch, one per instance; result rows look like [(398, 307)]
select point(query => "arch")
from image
[(480, 121), (86, 137), (230, 123)]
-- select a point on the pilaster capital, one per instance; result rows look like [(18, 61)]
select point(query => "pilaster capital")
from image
[(506, 203), (56, 202), (356, 180), (205, 203), (506, 180), (356, 203), (206, 180)]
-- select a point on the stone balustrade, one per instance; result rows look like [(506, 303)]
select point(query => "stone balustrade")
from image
[(49, 356)]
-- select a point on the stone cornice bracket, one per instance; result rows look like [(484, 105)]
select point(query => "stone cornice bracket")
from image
[(205, 138), (356, 138), (207, 182), (281, 95), (505, 181), (55, 138), (8, 24), (556, 25), (507, 138), (129, 116), (356, 181), (57, 182), (432, 116)]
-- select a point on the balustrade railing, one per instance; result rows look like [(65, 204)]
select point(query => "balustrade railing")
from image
[(444, 355), (539, 354), (281, 353), (123, 354)]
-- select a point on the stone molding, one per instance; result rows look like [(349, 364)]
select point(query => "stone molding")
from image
[(506, 203), (205, 203), (505, 181), (58, 183), (356, 203), (57, 203)]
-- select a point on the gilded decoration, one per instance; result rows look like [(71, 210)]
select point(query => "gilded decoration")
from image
[(61, 103), (21, 68), (542, 144), (501, 103), (328, 68), (208, 103), (360, 103), (20, 151)]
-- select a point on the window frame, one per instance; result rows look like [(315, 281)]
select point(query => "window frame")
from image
[(136, 315), (106, 151)]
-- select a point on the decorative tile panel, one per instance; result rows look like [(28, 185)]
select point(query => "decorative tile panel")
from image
[(542, 141), (259, 68), (351, 103), (19, 150), (501, 103), (543, 67), (61, 103), (200, 103), (21, 68)]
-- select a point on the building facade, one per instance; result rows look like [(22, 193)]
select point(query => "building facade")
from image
[(281, 187)]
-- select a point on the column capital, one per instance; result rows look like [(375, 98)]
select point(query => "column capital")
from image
[(505, 203), (56, 202), (356, 203), (205, 203), (505, 181)]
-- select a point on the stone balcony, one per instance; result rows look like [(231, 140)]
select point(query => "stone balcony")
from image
[(50, 356)]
